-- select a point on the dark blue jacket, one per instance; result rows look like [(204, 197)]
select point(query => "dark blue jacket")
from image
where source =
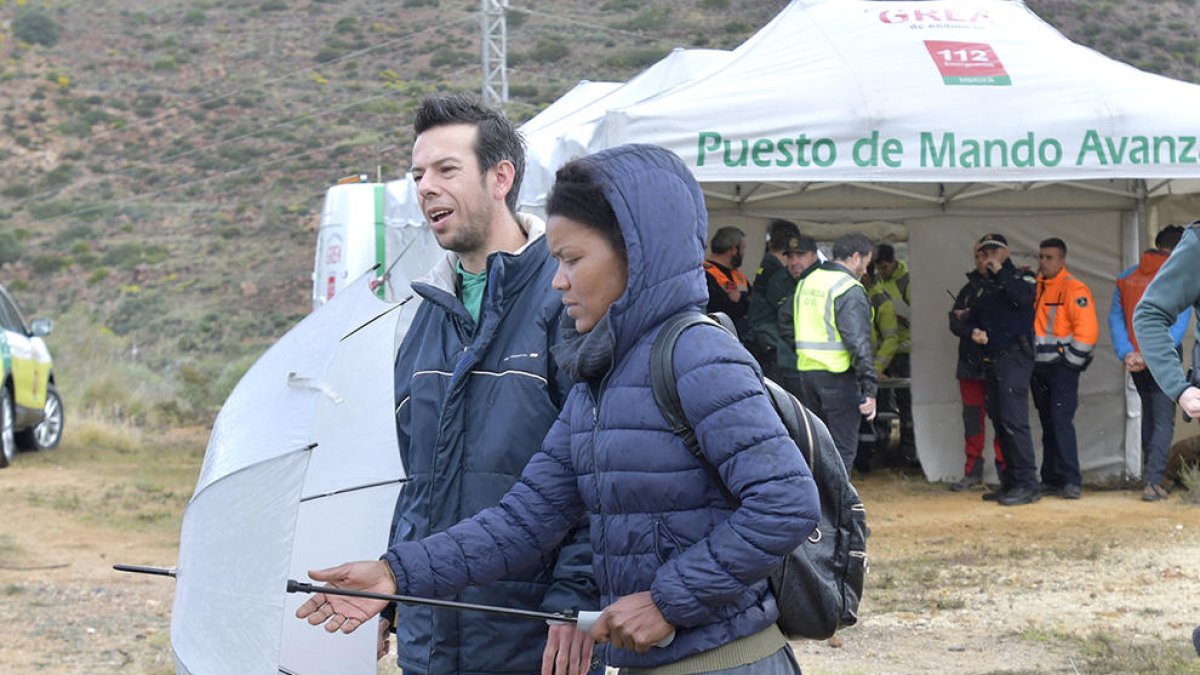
[(473, 404), (658, 523), (1003, 307)]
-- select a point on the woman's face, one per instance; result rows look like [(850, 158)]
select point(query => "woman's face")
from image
[(591, 273)]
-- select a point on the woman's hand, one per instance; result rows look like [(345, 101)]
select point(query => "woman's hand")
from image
[(632, 622), (568, 651)]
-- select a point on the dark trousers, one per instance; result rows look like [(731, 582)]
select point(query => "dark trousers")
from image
[(1158, 426), (1006, 379), (1056, 397), (974, 399), (901, 366), (834, 398)]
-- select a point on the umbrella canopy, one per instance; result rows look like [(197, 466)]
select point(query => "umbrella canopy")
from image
[(301, 471)]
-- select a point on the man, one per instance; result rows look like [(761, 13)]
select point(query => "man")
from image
[(771, 291), (971, 383), (1065, 333), (893, 274), (885, 341), (1001, 320), (831, 331), (728, 288), (1176, 286), (476, 388), (1158, 410)]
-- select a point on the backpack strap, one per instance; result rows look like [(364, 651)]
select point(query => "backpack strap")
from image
[(666, 389)]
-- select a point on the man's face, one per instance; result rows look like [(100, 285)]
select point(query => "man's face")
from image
[(1050, 261), (886, 268), (797, 262), (998, 254), (455, 196), (857, 264), (739, 253), (980, 259)]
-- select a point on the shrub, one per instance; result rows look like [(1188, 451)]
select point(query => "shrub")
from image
[(10, 247), (273, 6), (549, 50), (36, 28), (48, 263), (445, 56), (637, 58), (714, 5), (420, 3)]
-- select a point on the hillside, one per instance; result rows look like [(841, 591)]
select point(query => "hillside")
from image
[(162, 164)]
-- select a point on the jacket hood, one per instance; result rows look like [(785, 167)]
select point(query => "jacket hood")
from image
[(662, 216), (1152, 260)]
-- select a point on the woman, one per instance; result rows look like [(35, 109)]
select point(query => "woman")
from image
[(627, 227)]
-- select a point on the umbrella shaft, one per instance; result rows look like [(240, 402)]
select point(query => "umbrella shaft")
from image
[(294, 586)]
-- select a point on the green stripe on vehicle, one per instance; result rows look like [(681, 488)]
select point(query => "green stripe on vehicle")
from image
[(380, 238)]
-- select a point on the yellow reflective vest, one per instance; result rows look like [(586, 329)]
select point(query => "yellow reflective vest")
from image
[(818, 343)]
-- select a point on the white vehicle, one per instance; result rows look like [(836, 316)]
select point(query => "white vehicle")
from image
[(373, 225)]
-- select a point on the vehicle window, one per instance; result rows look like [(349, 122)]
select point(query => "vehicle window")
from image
[(10, 316)]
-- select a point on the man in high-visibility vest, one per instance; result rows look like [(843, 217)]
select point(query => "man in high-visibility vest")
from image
[(1064, 335), (831, 330)]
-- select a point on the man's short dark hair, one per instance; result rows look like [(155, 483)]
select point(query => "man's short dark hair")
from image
[(1054, 242), (1168, 237), (779, 232), (726, 239), (497, 138), (849, 244), (576, 195), (885, 253)]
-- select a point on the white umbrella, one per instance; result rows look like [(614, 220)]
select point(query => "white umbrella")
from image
[(301, 472)]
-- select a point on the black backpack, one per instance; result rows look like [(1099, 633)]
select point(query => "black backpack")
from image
[(819, 586)]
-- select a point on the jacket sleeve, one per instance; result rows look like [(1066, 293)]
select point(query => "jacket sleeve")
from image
[(758, 462), (961, 327), (1175, 287), (574, 584), (1085, 329), (853, 312), (1020, 286), (523, 529), (787, 324), (1116, 327), (889, 335)]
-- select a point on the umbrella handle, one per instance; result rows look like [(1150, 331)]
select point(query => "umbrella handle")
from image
[(586, 620)]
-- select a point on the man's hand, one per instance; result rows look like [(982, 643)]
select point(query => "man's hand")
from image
[(385, 643), (1134, 362), (992, 263), (632, 622), (867, 408), (568, 651), (1189, 400), (979, 337), (959, 314), (342, 613)]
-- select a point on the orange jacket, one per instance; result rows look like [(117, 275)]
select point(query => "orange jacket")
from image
[(730, 284), (1065, 326)]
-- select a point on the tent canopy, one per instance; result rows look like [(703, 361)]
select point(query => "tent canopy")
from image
[(942, 119)]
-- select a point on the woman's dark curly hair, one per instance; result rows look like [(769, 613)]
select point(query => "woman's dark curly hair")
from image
[(577, 195)]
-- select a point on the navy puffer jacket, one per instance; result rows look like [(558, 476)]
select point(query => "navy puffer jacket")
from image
[(657, 522)]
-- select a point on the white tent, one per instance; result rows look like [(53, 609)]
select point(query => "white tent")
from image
[(562, 131), (949, 119)]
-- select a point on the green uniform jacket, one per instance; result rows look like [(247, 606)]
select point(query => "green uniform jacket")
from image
[(772, 290)]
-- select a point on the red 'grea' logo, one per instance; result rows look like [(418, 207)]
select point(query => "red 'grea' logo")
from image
[(932, 16)]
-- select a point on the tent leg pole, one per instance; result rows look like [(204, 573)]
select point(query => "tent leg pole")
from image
[(1133, 224)]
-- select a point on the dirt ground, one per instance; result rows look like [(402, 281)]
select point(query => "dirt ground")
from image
[(1107, 584)]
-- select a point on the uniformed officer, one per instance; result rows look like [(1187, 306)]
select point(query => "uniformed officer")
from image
[(1001, 320), (832, 332), (1064, 334), (772, 289)]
